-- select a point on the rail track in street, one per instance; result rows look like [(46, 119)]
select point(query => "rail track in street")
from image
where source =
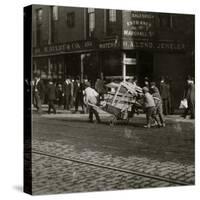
[(117, 169)]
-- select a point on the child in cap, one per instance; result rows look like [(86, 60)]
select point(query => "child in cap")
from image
[(158, 102), (149, 106)]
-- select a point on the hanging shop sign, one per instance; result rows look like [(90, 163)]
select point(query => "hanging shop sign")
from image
[(65, 47), (129, 61)]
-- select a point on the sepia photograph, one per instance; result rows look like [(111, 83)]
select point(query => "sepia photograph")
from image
[(109, 99)]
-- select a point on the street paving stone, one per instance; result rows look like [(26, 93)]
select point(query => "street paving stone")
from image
[(51, 175), (68, 140), (75, 177)]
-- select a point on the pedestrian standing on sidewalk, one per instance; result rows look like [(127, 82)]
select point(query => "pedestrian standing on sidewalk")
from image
[(51, 96), (78, 94), (72, 92), (158, 102), (164, 92), (38, 92), (59, 95), (91, 96), (84, 82), (149, 106), (67, 93)]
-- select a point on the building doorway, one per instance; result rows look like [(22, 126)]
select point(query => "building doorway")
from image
[(145, 65)]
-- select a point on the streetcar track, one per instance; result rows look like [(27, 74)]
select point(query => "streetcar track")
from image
[(133, 172)]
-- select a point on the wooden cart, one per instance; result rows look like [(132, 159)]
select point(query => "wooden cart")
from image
[(121, 102)]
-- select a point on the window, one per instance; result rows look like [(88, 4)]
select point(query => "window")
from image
[(71, 19), (91, 21), (39, 15), (111, 22), (55, 13), (54, 19), (112, 16)]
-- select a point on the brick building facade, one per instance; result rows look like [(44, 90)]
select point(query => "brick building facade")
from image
[(113, 43)]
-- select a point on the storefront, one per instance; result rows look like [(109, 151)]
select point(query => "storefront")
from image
[(68, 59)]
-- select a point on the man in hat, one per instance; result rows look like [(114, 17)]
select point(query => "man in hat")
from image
[(51, 95), (149, 106), (164, 92), (91, 97), (67, 92), (146, 82), (78, 94), (38, 92)]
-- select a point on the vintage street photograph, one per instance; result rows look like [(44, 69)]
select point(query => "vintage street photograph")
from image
[(113, 99)]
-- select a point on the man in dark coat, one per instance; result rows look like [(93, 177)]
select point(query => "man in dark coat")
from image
[(190, 96), (100, 88), (51, 95), (67, 93), (78, 94), (164, 92), (38, 92)]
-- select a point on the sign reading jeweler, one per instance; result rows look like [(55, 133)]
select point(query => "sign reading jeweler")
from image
[(160, 45)]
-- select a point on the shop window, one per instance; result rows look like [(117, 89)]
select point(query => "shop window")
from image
[(71, 19), (91, 22)]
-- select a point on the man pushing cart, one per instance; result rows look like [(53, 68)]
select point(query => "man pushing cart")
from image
[(119, 103)]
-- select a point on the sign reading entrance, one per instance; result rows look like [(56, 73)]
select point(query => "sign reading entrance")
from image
[(139, 24)]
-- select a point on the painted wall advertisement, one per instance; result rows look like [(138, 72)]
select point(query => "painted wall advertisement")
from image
[(139, 32), (138, 24)]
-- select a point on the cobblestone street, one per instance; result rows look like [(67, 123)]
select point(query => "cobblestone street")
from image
[(166, 154)]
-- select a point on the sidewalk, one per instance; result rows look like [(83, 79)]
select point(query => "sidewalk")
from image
[(78, 115)]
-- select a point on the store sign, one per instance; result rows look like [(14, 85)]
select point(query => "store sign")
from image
[(66, 47), (109, 44), (138, 24), (154, 45), (129, 61)]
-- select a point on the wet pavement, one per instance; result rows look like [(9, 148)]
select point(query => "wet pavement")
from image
[(165, 152)]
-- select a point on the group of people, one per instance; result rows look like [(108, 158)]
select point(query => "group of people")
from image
[(74, 93), (70, 94), (157, 100), (165, 94)]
